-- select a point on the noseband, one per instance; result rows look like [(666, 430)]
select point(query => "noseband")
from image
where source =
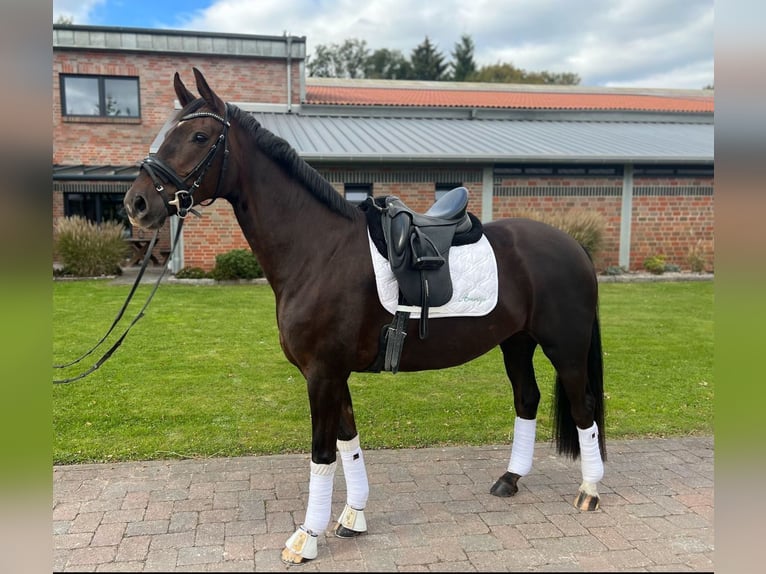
[(159, 171)]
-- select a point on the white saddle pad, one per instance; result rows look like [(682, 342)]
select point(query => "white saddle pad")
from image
[(473, 270)]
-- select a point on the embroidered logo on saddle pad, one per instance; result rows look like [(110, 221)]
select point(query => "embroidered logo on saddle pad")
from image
[(473, 270)]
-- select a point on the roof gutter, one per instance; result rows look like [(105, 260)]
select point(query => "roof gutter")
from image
[(485, 159)]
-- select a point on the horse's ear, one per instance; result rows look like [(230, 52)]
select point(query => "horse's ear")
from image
[(184, 95), (207, 93)]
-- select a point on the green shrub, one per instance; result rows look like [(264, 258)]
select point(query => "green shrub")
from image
[(614, 270), (587, 227), (672, 268), (88, 249), (192, 273), (655, 264), (236, 264)]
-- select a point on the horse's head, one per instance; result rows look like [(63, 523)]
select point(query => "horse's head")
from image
[(189, 166)]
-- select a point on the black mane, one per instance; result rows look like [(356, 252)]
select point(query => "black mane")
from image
[(284, 154)]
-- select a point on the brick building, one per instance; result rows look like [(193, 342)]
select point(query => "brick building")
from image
[(641, 158)]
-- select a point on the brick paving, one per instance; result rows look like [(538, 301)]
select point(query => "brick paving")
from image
[(429, 510)]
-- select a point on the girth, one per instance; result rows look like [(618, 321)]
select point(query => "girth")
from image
[(417, 247)]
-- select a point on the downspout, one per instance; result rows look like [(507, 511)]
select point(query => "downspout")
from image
[(289, 74)]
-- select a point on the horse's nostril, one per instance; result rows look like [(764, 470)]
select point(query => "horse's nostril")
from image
[(139, 204)]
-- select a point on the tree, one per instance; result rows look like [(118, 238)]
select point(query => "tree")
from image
[(324, 64), (388, 65), (510, 74), (463, 64), (427, 62), (66, 20), (352, 59), (348, 60), (354, 53), (498, 73)]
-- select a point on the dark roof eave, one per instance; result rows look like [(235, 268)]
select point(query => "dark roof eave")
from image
[(492, 159), (85, 177)]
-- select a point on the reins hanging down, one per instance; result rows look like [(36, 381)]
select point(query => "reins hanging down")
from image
[(183, 203), (120, 313)]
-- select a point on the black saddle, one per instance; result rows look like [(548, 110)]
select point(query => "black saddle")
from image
[(417, 247)]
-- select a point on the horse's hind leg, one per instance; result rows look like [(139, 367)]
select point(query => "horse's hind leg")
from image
[(578, 408), (351, 522), (518, 352)]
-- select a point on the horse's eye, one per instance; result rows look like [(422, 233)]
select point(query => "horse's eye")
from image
[(200, 137)]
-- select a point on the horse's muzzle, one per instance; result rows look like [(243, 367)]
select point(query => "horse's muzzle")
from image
[(144, 211)]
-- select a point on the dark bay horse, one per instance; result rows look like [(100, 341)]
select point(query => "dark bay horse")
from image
[(314, 249)]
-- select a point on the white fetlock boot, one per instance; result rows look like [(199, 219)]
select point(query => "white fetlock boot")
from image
[(350, 523), (302, 545)]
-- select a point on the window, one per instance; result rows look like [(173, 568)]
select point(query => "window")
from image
[(574, 170), (97, 207), (100, 96), (673, 170), (356, 193), (443, 188)]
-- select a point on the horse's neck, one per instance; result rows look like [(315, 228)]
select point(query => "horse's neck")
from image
[(292, 233)]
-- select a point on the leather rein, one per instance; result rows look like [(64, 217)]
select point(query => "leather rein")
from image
[(183, 203)]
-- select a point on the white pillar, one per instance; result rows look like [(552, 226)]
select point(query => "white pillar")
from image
[(626, 215)]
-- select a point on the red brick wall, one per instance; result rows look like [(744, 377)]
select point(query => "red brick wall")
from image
[(669, 220), (514, 196), (672, 218), (217, 231)]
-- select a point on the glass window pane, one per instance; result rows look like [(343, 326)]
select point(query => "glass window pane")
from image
[(81, 96), (121, 97), (356, 196), (356, 193)]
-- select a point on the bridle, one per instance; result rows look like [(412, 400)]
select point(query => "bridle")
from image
[(183, 202), (160, 172)]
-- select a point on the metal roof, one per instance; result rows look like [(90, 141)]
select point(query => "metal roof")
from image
[(95, 172), (365, 139)]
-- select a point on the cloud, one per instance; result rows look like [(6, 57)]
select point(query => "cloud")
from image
[(78, 10), (605, 42)]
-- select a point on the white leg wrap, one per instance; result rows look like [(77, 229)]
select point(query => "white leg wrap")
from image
[(303, 543), (357, 486), (523, 448), (590, 455), (320, 497)]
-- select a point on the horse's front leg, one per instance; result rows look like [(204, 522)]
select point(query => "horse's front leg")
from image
[(325, 400)]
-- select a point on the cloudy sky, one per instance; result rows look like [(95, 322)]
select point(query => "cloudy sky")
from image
[(638, 43)]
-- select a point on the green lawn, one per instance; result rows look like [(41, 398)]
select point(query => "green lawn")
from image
[(202, 374)]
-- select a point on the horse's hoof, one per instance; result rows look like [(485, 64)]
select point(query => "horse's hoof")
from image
[(343, 532), (587, 502), (505, 485), (300, 547), (290, 557)]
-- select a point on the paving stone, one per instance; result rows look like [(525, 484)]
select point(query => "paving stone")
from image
[(429, 510)]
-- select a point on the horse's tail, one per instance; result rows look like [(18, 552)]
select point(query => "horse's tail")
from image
[(564, 429)]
